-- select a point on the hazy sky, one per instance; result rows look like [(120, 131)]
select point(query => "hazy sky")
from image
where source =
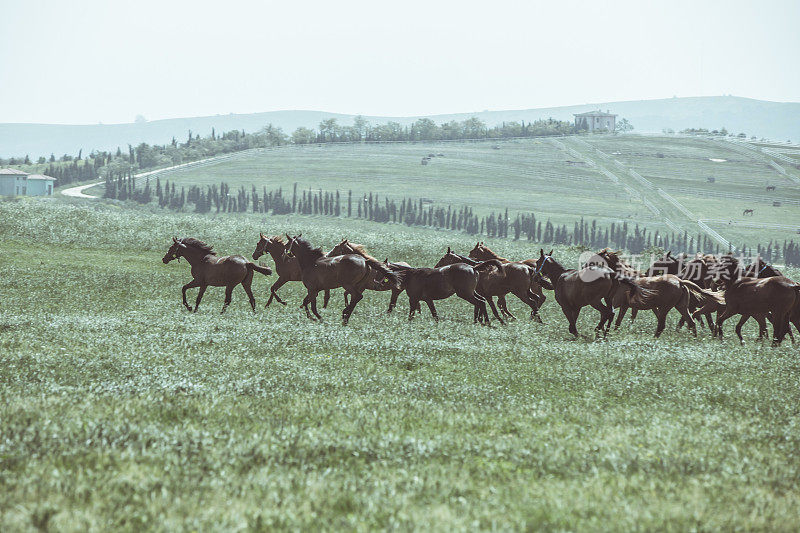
[(103, 61)]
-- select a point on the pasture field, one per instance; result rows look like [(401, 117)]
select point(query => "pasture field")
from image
[(522, 175), (557, 179), (120, 410)]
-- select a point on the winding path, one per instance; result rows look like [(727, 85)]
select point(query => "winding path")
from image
[(77, 192)]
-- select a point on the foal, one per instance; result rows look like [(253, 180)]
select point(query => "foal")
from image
[(209, 269)]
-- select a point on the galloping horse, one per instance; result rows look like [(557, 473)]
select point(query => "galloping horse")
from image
[(288, 268), (209, 269), (319, 272), (346, 247), (438, 283), (481, 252), (727, 272), (514, 278), (777, 297), (575, 289), (668, 291)]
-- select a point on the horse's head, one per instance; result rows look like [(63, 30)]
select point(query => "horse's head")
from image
[(449, 258), (261, 247), (478, 251), (544, 258), (343, 248), (761, 269), (175, 251), (724, 271), (666, 265)]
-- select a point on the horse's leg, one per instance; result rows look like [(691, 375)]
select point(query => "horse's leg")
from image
[(326, 296), (228, 296), (634, 312), (603, 316), (490, 300), (722, 317), (246, 285), (432, 309), (686, 317), (738, 328), (393, 300), (192, 284), (622, 310), (412, 307), (528, 299), (304, 305), (661, 316), (572, 318), (503, 306), (355, 297), (273, 291), (762, 327), (312, 299), (199, 297)]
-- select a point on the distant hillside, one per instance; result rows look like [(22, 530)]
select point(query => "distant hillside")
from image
[(773, 120)]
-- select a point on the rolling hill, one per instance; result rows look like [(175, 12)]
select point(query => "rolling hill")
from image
[(755, 117)]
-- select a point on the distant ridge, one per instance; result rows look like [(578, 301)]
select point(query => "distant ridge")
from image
[(775, 120)]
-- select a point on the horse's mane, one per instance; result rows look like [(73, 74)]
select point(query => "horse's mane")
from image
[(360, 250), (277, 238), (308, 248), (492, 254), (198, 245), (618, 263)]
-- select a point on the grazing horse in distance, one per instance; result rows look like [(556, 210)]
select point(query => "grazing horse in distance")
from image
[(352, 272), (481, 252), (438, 283), (208, 269), (770, 188), (591, 285), (750, 212), (668, 291), (288, 268)]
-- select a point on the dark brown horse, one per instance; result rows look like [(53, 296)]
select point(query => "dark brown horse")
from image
[(461, 279), (513, 278), (288, 268), (668, 291), (591, 285), (352, 272), (481, 252), (777, 298), (760, 269), (346, 247), (209, 269)]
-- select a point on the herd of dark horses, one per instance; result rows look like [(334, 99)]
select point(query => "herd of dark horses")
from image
[(695, 286)]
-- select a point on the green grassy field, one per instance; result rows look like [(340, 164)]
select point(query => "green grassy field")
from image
[(557, 179), (121, 411)]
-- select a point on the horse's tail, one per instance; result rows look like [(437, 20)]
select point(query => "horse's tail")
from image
[(637, 295), (264, 270), (488, 264), (395, 279), (699, 297)]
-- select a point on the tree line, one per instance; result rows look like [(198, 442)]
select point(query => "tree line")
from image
[(221, 199), (114, 164)]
